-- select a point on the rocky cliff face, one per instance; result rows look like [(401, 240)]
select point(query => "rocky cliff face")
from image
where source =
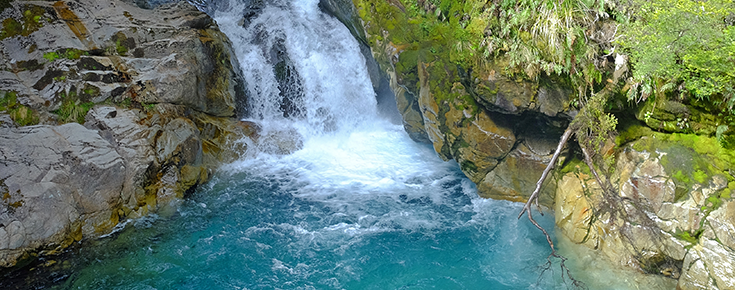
[(674, 215), (671, 209), (492, 124), (108, 111)]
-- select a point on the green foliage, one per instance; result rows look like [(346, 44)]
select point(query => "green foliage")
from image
[(682, 47), (68, 53), (72, 109), (526, 37), (546, 36), (20, 114), (594, 126)]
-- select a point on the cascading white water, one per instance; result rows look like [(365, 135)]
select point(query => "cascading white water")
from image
[(358, 206), (332, 87)]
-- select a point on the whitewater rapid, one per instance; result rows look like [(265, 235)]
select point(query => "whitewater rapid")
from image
[(357, 205)]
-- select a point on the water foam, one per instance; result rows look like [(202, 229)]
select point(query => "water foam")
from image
[(332, 86), (359, 206)]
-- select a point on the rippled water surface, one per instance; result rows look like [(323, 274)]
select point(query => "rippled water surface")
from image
[(361, 216), (359, 206)]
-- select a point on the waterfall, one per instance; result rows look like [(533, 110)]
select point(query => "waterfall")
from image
[(353, 204), (303, 68)]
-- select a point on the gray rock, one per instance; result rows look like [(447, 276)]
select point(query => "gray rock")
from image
[(117, 51), (169, 82), (56, 180), (708, 265)]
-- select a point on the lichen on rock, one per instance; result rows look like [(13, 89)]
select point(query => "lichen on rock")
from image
[(136, 108)]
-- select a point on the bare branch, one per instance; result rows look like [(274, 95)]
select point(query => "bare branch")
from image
[(534, 195)]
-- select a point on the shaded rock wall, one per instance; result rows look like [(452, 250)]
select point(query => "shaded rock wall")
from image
[(134, 108), (493, 125)]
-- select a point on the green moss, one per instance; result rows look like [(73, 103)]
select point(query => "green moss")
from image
[(73, 53), (89, 92), (680, 177), (29, 22), (688, 237), (24, 116), (631, 133), (468, 166), (51, 56), (68, 53), (11, 28), (713, 202), (9, 100), (126, 103), (699, 176), (574, 164), (727, 192), (121, 49), (20, 114), (689, 159)]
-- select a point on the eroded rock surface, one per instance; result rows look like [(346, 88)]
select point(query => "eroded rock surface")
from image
[(676, 211), (134, 108)]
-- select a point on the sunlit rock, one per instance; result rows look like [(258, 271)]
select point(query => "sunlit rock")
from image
[(157, 92)]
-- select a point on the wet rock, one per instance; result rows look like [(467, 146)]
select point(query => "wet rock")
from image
[(168, 81), (280, 142), (408, 106), (515, 177), (673, 222), (431, 114), (708, 265), (721, 223), (485, 145)]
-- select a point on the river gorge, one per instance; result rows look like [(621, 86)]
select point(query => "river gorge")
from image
[(322, 185)]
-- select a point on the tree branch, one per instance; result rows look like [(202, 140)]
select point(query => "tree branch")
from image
[(534, 195)]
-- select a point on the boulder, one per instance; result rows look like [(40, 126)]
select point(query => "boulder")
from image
[(137, 108)]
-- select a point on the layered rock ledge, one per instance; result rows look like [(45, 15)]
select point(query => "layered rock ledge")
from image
[(108, 112)]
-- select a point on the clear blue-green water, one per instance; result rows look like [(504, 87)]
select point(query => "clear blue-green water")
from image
[(357, 217), (366, 210), (358, 206)]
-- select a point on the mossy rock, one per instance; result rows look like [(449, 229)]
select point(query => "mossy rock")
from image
[(689, 159), (20, 114), (31, 19), (676, 117)]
